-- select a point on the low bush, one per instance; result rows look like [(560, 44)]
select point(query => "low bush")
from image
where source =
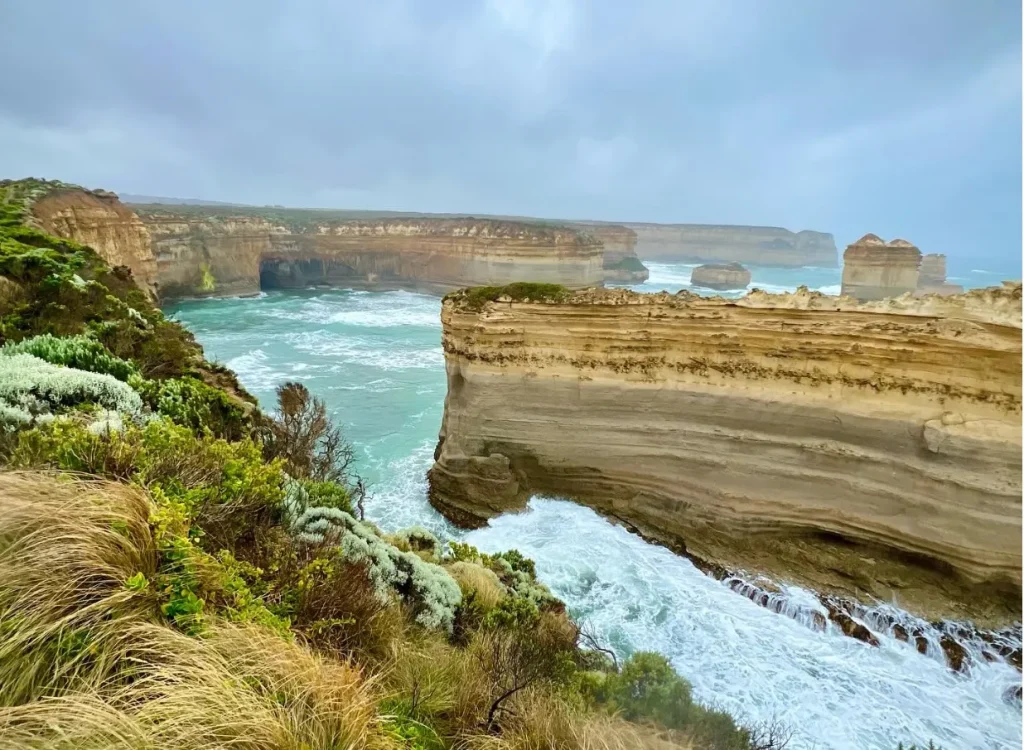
[(34, 386), (192, 403), (79, 352), (474, 298)]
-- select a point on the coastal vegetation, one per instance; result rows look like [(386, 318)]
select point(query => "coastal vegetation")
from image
[(181, 569), (476, 297)]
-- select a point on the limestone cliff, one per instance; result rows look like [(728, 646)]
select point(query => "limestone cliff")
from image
[(762, 246), (98, 219), (874, 269), (868, 449), (621, 264), (720, 276), (213, 251), (932, 276)]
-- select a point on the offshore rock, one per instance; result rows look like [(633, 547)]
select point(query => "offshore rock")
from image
[(721, 276), (932, 276), (874, 269), (869, 450), (763, 246)]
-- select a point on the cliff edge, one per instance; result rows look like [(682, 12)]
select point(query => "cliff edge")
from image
[(870, 449)]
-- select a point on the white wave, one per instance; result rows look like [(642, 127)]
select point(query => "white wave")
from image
[(365, 352), (837, 692), (982, 270), (833, 289), (365, 309), (254, 371)]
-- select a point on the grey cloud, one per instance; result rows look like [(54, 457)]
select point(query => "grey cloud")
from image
[(901, 118)]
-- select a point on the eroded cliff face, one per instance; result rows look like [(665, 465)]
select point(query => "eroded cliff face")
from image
[(98, 219), (763, 246), (227, 255), (871, 449), (621, 264)]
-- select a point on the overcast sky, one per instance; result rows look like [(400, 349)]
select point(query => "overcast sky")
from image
[(898, 117)]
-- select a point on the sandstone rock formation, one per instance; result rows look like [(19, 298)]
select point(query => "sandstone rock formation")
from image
[(720, 276), (206, 251), (868, 450), (874, 269), (621, 264), (763, 246), (98, 219), (932, 276)]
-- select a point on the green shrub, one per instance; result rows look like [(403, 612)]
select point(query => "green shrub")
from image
[(476, 297), (80, 352), (194, 404)]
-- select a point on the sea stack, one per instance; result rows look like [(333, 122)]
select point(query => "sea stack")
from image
[(932, 279), (720, 276), (874, 269)]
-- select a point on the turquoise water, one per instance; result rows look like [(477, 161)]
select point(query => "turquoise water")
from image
[(376, 359)]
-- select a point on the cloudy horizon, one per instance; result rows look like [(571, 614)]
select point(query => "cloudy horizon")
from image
[(898, 118)]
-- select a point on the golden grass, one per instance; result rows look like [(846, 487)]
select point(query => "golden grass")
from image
[(478, 580), (66, 549), (543, 721), (84, 662)]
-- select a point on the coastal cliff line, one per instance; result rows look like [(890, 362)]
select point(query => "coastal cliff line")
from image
[(197, 251), (865, 449), (723, 243)]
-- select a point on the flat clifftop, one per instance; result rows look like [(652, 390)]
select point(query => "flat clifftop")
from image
[(871, 448), (1000, 305), (312, 221)]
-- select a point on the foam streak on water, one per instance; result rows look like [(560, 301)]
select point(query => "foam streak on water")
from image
[(376, 360)]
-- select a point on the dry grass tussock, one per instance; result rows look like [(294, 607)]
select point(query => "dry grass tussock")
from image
[(544, 722), (85, 664), (66, 549)]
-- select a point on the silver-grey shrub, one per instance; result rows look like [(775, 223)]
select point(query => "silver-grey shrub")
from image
[(30, 385)]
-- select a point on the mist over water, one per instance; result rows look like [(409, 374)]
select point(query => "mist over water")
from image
[(376, 359)]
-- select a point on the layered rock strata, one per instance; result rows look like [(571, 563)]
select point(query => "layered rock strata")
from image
[(762, 246), (932, 276), (621, 264), (98, 219), (874, 269), (870, 450), (720, 276), (199, 253)]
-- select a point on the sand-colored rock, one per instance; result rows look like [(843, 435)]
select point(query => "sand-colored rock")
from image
[(869, 450), (874, 269), (932, 276), (98, 219), (621, 264), (762, 246), (210, 252), (720, 276)]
